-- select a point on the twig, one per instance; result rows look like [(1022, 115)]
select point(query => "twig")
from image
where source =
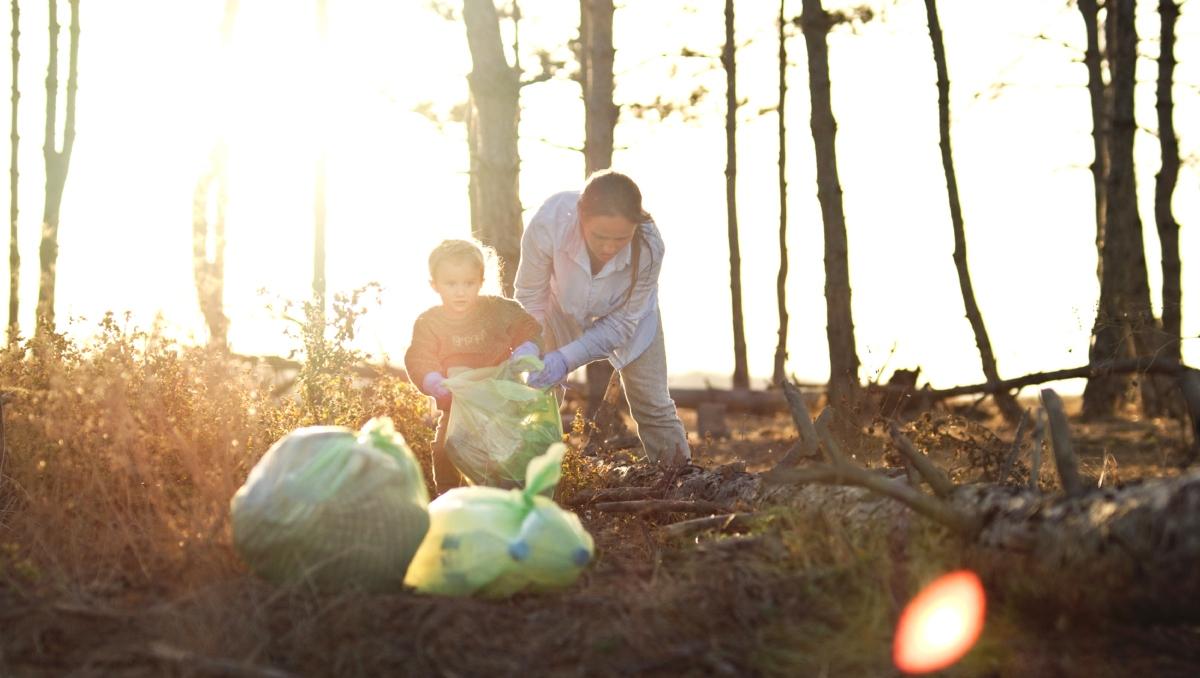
[(1060, 436), (592, 495), (928, 506), (1035, 455), (687, 528), (1016, 448), (804, 427), (646, 506), (831, 447), (938, 482), (225, 667)]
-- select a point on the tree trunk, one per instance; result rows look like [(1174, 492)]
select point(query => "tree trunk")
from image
[(596, 78), (1004, 400), (1091, 59), (1125, 325), (778, 374), (843, 356), (319, 182), (492, 135), (57, 162), (14, 253), (1164, 184), (208, 268), (596, 55), (741, 377)]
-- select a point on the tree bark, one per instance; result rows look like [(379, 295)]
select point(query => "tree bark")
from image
[(596, 54), (1125, 325), (778, 374), (319, 184), (1165, 180), (1004, 400), (57, 162), (14, 252), (208, 268), (741, 375), (1089, 10), (843, 356), (492, 136)]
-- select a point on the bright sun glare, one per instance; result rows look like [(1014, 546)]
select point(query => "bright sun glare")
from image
[(941, 624)]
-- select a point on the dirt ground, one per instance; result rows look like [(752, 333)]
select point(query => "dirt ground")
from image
[(783, 599)]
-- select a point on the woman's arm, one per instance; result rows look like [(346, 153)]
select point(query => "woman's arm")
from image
[(532, 286)]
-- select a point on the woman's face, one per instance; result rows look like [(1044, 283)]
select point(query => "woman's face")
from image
[(606, 235)]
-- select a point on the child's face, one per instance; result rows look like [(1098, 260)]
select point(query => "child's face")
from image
[(457, 283)]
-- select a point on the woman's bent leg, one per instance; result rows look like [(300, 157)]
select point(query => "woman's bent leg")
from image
[(658, 426)]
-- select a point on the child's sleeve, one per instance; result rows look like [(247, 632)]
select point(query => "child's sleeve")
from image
[(421, 357), (521, 326)]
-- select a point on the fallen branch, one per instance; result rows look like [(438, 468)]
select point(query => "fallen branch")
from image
[(722, 523), (648, 506), (225, 667), (1015, 452), (1060, 438), (1146, 365), (938, 482), (593, 495)]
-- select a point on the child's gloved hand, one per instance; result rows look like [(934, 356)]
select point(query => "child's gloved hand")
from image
[(432, 385), (554, 371), (528, 348)]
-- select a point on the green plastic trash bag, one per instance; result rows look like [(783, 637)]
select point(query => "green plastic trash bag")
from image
[(337, 509), (494, 542), (498, 424)]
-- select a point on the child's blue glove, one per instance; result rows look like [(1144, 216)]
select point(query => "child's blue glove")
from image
[(554, 371), (528, 348), (432, 385)]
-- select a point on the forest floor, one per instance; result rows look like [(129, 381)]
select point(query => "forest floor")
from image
[(782, 599)]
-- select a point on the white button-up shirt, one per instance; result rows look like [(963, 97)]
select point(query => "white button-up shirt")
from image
[(555, 285)]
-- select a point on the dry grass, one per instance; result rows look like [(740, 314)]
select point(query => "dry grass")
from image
[(116, 559)]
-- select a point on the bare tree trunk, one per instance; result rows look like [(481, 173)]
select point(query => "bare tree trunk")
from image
[(778, 374), (1091, 59), (1164, 185), (843, 356), (57, 162), (14, 252), (596, 72), (1125, 325), (741, 376), (596, 54), (208, 268), (318, 279), (1007, 404), (492, 134)]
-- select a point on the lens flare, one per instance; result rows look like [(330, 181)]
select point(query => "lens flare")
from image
[(938, 626)]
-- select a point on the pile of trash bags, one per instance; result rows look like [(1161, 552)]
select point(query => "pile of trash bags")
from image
[(338, 509)]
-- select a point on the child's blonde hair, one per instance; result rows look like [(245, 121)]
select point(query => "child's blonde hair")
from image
[(469, 251)]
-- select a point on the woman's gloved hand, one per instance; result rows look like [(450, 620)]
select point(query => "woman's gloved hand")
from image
[(554, 371), (528, 348)]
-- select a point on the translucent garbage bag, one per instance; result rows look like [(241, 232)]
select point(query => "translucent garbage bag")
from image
[(494, 542), (334, 508), (498, 423)]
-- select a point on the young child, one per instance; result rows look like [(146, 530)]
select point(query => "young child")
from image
[(467, 330)]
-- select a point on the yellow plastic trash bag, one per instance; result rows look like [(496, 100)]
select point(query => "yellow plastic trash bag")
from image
[(333, 508), (493, 542), (498, 423)]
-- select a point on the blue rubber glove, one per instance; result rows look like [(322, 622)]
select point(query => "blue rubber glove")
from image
[(528, 348), (554, 371), (432, 385)]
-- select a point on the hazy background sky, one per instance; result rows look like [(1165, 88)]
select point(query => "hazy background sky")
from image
[(155, 89)]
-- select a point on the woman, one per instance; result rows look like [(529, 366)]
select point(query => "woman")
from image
[(589, 273)]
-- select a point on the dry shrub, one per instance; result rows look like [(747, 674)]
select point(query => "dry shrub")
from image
[(122, 455)]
